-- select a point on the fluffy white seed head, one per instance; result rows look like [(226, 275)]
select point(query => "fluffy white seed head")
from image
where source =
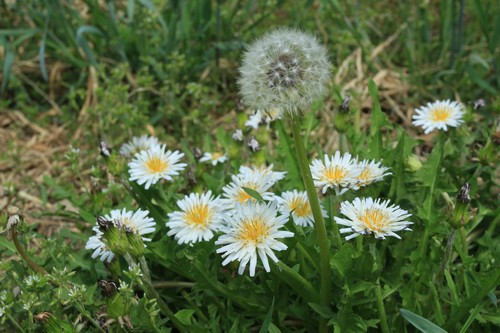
[(285, 70)]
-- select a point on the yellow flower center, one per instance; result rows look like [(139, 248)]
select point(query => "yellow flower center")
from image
[(300, 207), (374, 219), (156, 165), (199, 215), (365, 176), (243, 196), (216, 156), (334, 174), (254, 231), (440, 114)]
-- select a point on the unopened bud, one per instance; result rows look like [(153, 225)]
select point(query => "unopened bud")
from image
[(413, 163), (461, 214)]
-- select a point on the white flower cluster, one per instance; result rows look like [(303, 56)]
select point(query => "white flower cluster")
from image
[(344, 172), (248, 229)]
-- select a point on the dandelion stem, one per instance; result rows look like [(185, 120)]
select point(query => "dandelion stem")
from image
[(151, 292), (463, 239), (337, 241), (319, 224), (173, 284), (33, 265), (381, 309)]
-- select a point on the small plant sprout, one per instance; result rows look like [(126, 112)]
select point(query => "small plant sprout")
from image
[(297, 205), (199, 218), (252, 232), (149, 166), (368, 216), (337, 172), (439, 115), (285, 70), (138, 144), (214, 158)]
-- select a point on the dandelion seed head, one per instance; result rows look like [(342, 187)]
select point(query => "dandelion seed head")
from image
[(286, 70)]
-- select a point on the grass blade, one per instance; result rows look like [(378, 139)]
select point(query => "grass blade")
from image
[(421, 323)]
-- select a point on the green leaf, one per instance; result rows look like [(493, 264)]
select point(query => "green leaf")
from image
[(324, 311), (342, 260), (421, 323), (9, 58), (82, 42), (254, 194), (185, 315), (7, 244), (267, 320)]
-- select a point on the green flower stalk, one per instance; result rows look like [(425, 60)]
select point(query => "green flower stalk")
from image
[(285, 71)]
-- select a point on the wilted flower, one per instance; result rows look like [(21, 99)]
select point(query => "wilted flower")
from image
[(439, 115), (214, 158), (296, 203), (366, 216), (154, 164), (199, 219), (138, 144), (252, 232), (285, 70)]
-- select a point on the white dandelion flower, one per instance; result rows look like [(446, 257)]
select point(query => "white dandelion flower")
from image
[(296, 203), (214, 158), (371, 172), (368, 216), (258, 179), (285, 70), (149, 166), (336, 172), (199, 218), (138, 222), (252, 232), (138, 144), (439, 115)]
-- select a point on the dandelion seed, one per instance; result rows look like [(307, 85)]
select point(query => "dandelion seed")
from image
[(214, 158), (199, 218), (138, 144), (237, 135), (253, 144), (252, 233), (439, 115), (368, 216), (149, 166), (296, 203), (285, 70), (336, 172), (254, 120)]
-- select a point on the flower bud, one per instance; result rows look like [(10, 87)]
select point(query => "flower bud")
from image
[(461, 214), (413, 163)]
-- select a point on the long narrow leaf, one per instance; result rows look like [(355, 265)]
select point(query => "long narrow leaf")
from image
[(421, 323)]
